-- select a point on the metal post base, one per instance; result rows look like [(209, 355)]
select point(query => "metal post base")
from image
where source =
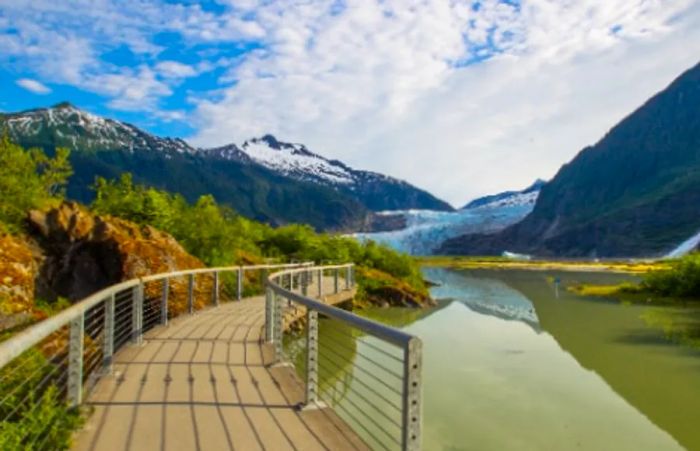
[(318, 405)]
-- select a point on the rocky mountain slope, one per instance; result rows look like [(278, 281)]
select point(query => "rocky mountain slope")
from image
[(263, 179), (375, 191), (527, 196), (634, 193), (420, 232)]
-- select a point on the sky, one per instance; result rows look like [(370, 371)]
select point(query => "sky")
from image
[(462, 98)]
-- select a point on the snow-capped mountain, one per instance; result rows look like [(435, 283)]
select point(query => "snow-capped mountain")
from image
[(425, 230), (66, 125), (262, 178), (376, 191), (292, 160), (528, 196)]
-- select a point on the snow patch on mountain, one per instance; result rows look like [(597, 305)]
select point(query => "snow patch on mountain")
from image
[(295, 160), (71, 126)]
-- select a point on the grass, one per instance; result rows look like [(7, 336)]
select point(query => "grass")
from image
[(476, 262)]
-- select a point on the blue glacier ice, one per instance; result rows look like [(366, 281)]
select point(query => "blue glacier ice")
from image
[(426, 230)]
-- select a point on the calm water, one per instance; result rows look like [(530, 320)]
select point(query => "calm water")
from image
[(512, 362)]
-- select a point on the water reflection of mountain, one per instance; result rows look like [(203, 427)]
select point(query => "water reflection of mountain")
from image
[(484, 295), (660, 379)]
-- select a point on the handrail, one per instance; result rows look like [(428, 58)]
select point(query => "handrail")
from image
[(395, 336), (80, 342), (24, 340), (370, 406)]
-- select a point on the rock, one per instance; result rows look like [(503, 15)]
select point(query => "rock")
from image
[(382, 289), (86, 252), (18, 269)]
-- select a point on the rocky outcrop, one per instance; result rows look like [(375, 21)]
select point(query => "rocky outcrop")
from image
[(19, 267), (382, 289), (84, 253)]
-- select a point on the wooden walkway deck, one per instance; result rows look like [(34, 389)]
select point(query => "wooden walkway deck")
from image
[(205, 383)]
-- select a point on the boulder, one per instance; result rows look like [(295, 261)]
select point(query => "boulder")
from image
[(85, 252)]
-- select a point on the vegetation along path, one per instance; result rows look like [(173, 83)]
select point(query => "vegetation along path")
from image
[(205, 382)]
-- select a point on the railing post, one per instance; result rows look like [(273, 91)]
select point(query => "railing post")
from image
[(190, 294), (75, 361), (347, 277), (311, 357), (335, 280), (215, 289), (278, 328), (239, 295), (108, 330), (137, 315), (263, 276), (320, 284), (269, 315), (304, 282), (164, 302), (412, 391)]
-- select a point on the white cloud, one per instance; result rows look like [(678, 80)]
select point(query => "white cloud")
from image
[(174, 69), (460, 97), (65, 42), (380, 84), (34, 86)]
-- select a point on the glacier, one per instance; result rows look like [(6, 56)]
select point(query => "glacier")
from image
[(685, 247), (426, 230)]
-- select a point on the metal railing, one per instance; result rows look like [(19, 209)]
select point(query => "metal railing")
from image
[(368, 372), (47, 369)]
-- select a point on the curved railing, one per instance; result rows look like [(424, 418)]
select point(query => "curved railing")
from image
[(368, 372), (62, 357)]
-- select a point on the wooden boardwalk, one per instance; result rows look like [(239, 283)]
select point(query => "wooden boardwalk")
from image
[(205, 383)]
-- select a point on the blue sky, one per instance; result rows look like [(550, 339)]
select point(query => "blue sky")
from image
[(493, 93)]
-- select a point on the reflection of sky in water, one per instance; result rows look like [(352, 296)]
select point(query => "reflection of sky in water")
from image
[(496, 384), (483, 295)]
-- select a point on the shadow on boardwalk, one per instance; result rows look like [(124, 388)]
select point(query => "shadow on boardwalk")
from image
[(204, 383)]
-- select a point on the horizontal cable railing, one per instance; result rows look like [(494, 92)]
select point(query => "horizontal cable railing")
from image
[(367, 371), (47, 369)]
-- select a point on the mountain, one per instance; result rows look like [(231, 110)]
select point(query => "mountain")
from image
[(526, 196), (420, 232), (634, 193), (277, 190), (376, 191)]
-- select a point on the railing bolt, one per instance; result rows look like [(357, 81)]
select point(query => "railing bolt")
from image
[(215, 289), (108, 343), (137, 315), (75, 361), (190, 294), (311, 357), (411, 421), (239, 295), (164, 302), (320, 283)]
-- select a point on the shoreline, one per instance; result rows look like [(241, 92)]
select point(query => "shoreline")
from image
[(500, 263)]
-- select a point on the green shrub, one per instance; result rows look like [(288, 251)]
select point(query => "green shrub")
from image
[(28, 179), (220, 237), (682, 279), (33, 412)]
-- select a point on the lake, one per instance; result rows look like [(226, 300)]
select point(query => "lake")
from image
[(513, 361)]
